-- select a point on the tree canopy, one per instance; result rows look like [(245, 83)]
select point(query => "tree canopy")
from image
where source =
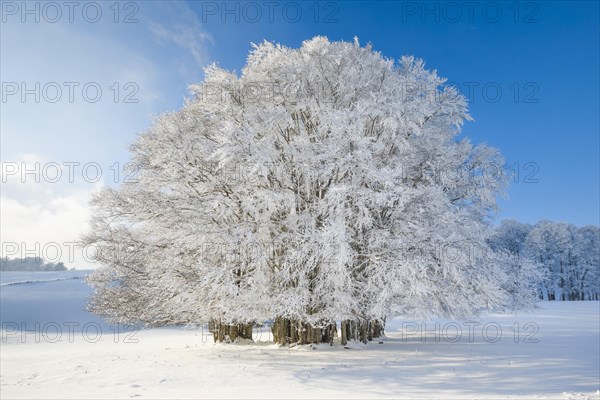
[(321, 184)]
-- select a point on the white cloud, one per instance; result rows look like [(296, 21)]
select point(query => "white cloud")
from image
[(43, 213), (46, 228), (81, 132)]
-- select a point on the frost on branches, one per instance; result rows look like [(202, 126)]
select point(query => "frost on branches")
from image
[(324, 184), (566, 257)]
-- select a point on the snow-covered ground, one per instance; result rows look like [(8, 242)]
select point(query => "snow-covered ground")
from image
[(552, 352)]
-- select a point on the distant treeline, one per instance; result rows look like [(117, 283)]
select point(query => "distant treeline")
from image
[(567, 256), (29, 264)]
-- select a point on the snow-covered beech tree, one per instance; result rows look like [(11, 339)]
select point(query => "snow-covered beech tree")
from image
[(323, 184)]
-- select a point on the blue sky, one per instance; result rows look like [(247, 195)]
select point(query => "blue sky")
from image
[(542, 56)]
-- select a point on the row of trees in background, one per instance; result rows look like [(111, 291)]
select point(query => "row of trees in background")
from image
[(29, 264), (341, 215), (567, 256)]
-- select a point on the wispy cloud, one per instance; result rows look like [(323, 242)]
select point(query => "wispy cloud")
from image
[(187, 32)]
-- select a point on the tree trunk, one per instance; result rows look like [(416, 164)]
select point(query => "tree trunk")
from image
[(286, 331), (233, 332), (279, 331), (351, 330), (378, 328), (363, 331), (222, 332), (328, 333), (294, 332), (247, 331), (332, 333), (229, 333), (317, 335)]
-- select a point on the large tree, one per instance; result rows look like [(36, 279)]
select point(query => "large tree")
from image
[(322, 184)]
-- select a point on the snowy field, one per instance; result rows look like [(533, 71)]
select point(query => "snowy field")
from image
[(552, 352)]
